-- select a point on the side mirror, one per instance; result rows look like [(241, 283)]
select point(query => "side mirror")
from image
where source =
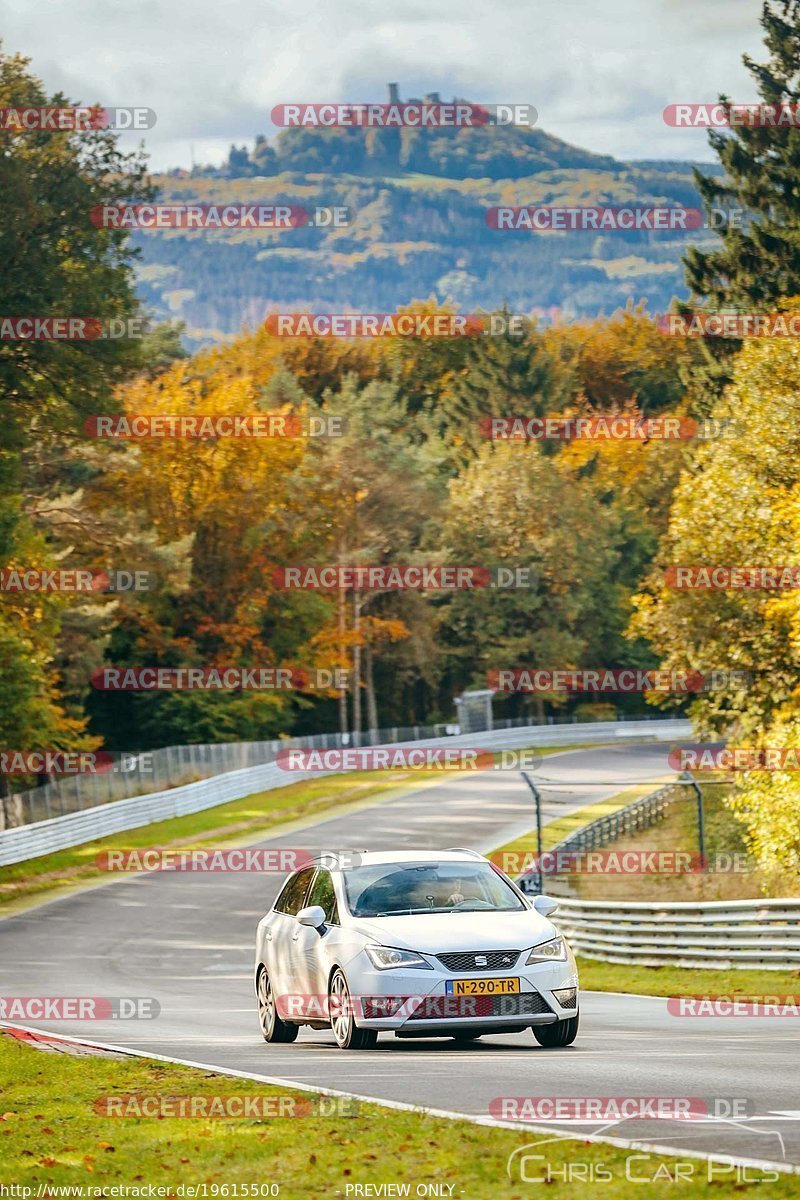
[(544, 905), (314, 916)]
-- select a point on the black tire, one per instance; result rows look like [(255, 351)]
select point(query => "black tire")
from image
[(273, 1029), (563, 1033), (343, 1023)]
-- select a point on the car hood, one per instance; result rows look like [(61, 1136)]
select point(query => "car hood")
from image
[(446, 932)]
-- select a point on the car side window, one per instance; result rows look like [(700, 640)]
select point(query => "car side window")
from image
[(291, 899), (322, 893)]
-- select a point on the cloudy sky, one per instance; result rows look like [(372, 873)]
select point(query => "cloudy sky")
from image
[(599, 74)]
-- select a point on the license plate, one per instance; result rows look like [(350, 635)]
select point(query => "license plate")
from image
[(481, 987)]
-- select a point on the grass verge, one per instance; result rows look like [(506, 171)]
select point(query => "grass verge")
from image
[(731, 873), (52, 1136), (685, 981)]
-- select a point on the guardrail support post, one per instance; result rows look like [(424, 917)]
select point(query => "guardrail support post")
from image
[(538, 798), (701, 834)]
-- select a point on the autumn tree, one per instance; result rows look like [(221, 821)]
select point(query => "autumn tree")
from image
[(225, 506), (623, 361), (516, 507), (738, 504), (55, 263), (381, 489)]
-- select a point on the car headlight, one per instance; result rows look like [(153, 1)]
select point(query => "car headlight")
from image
[(385, 957), (553, 951)]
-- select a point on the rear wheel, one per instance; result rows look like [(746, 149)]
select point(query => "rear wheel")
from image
[(562, 1033), (348, 1035), (273, 1028)]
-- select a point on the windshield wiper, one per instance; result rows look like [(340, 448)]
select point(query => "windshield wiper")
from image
[(481, 908), (394, 912)]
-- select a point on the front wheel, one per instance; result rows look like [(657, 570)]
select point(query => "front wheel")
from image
[(273, 1029), (563, 1033), (348, 1035)]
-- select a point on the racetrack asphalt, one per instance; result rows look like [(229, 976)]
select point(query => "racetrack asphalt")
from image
[(187, 940)]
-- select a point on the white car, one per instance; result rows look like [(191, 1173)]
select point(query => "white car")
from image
[(419, 944)]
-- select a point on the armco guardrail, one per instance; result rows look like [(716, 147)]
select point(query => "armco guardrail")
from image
[(171, 766), (133, 774), (57, 833), (716, 934), (640, 814)]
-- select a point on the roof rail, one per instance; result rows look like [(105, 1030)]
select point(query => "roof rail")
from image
[(327, 854)]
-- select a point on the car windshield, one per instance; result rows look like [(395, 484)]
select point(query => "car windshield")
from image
[(393, 889)]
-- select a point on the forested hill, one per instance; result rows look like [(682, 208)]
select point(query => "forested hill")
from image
[(418, 202), (486, 152)]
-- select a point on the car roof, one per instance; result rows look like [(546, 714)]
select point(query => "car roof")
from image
[(366, 858)]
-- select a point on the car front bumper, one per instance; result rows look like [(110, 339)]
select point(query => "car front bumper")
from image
[(418, 1000)]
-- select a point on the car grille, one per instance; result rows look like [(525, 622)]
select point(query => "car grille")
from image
[(490, 960), (440, 1008)]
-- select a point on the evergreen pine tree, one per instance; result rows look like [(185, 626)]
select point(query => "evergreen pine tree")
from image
[(758, 262), (507, 375)]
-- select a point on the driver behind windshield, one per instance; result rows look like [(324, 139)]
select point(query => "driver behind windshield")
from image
[(387, 889)]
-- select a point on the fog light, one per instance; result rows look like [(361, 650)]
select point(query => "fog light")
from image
[(382, 1007), (566, 997)]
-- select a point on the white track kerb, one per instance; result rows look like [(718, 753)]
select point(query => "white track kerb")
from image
[(23, 842), (445, 1114)]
